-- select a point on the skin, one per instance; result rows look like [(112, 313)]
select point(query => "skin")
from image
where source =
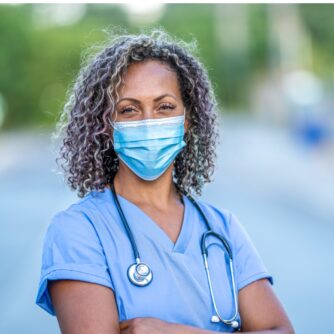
[(83, 307)]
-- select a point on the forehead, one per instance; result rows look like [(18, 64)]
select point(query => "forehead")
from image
[(148, 78)]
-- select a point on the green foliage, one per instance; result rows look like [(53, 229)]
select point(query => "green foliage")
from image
[(38, 65), (319, 22)]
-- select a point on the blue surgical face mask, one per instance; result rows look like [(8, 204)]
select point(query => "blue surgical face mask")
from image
[(149, 146)]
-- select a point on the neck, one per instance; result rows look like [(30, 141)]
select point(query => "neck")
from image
[(159, 193)]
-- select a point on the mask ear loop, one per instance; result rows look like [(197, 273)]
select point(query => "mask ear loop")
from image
[(112, 125), (184, 119), (184, 115)]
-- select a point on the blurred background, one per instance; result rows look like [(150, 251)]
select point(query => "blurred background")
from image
[(273, 72)]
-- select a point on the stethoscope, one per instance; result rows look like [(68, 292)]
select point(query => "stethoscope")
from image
[(140, 273)]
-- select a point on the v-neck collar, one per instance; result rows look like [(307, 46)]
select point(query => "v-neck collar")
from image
[(138, 218)]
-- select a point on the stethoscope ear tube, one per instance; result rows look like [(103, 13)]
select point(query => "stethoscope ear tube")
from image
[(232, 322), (216, 318), (220, 237)]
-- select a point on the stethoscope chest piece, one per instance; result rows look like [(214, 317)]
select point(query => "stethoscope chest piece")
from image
[(234, 323), (140, 274)]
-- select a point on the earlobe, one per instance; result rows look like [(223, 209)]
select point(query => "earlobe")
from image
[(185, 126), (185, 118)]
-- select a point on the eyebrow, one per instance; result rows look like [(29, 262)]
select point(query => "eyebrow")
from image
[(135, 100)]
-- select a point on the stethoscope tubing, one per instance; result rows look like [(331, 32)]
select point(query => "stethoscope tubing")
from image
[(231, 321), (126, 225)]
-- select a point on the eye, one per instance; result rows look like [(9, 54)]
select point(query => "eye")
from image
[(167, 106), (126, 110), (163, 106)]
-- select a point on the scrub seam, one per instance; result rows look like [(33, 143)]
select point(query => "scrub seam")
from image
[(78, 271), (248, 280)]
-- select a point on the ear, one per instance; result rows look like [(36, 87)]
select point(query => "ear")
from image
[(186, 123)]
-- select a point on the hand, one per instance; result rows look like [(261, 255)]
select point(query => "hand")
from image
[(144, 325)]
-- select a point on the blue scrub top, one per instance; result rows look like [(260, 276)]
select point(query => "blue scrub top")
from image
[(87, 241)]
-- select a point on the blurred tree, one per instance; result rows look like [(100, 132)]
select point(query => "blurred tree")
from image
[(16, 86), (38, 63), (318, 20)]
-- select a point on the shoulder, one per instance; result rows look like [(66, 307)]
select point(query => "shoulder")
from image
[(218, 216), (224, 221), (72, 249), (249, 264), (72, 217), (77, 218), (79, 212), (71, 235)]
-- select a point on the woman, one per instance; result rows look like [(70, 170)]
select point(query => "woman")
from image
[(140, 139)]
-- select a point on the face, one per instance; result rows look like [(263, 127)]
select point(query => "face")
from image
[(149, 89)]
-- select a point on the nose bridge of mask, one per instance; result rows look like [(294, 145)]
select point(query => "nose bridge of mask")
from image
[(124, 127), (149, 121)]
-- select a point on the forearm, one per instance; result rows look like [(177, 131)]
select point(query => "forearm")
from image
[(186, 329)]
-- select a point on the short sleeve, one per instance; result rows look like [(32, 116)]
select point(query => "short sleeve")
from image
[(71, 250), (249, 265)]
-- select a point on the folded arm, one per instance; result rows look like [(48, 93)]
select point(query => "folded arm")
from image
[(83, 307), (260, 311)]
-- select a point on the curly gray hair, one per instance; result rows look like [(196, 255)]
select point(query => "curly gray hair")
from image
[(88, 158)]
